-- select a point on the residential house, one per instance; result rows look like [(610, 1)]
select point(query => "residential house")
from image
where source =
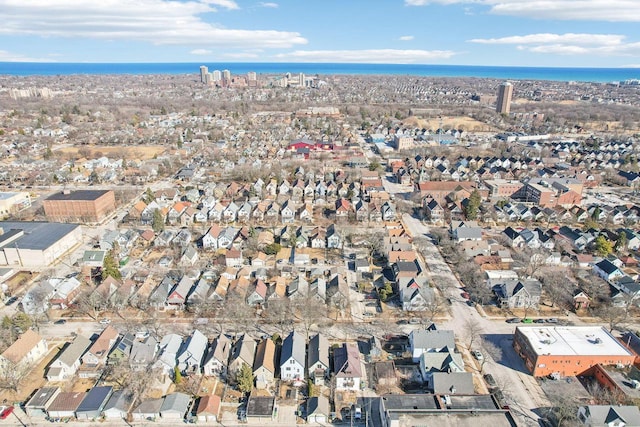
[(215, 362), (122, 350), (516, 293), (609, 415), (448, 383), (318, 359), (415, 293), (264, 364), (258, 295), (167, 354), (429, 340), (347, 367), (191, 353), (68, 361), (143, 353), (446, 360), (177, 298), (243, 353), (292, 357), (607, 270), (96, 357)]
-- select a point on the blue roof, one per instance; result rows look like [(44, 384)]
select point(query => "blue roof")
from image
[(95, 399)]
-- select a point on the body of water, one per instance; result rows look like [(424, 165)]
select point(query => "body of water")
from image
[(602, 75)]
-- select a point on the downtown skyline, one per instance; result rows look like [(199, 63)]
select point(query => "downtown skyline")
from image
[(562, 33)]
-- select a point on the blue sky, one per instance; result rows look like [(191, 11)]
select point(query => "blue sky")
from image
[(563, 33)]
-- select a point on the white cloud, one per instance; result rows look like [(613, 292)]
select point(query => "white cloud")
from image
[(200, 52), (569, 44), (380, 56), (581, 10), (406, 38), (227, 4), (241, 55), (162, 22), (6, 56), (269, 4), (579, 39)]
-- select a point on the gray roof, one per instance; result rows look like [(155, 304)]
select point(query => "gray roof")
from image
[(293, 347), (443, 361), (143, 352), (245, 350), (259, 406), (469, 233), (74, 351), (151, 406), (452, 382), (423, 338), (176, 402), (37, 235), (220, 350), (192, 351), (121, 400), (318, 351), (602, 415), (78, 195), (41, 397), (318, 405)]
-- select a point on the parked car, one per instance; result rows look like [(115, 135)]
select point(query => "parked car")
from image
[(552, 320), (513, 320), (105, 321), (6, 412), (11, 300), (527, 320), (491, 382), (539, 321), (60, 322), (465, 295), (414, 321), (477, 355), (402, 322)]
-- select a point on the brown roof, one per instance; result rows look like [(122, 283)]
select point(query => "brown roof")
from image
[(148, 235), (23, 345), (265, 355), (209, 405), (104, 341), (67, 401)]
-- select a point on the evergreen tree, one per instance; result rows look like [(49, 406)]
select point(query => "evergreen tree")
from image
[(621, 242), (157, 223), (245, 379), (473, 205), (110, 267)]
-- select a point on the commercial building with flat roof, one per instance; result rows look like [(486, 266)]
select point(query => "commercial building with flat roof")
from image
[(443, 410), (80, 206), (36, 244), (568, 350)]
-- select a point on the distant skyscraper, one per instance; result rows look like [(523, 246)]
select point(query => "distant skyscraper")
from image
[(503, 104), (204, 72), (217, 76), (301, 79), (226, 76), (251, 76)]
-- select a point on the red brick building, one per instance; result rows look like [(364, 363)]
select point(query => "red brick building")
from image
[(568, 350), (80, 206)]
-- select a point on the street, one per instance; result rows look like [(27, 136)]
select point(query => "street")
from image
[(522, 392)]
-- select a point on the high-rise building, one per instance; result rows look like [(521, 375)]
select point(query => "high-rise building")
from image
[(204, 72), (226, 76), (251, 76), (217, 76), (503, 104)]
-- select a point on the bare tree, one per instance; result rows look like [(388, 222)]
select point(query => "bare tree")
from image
[(279, 314), (309, 311), (13, 375), (472, 334)]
